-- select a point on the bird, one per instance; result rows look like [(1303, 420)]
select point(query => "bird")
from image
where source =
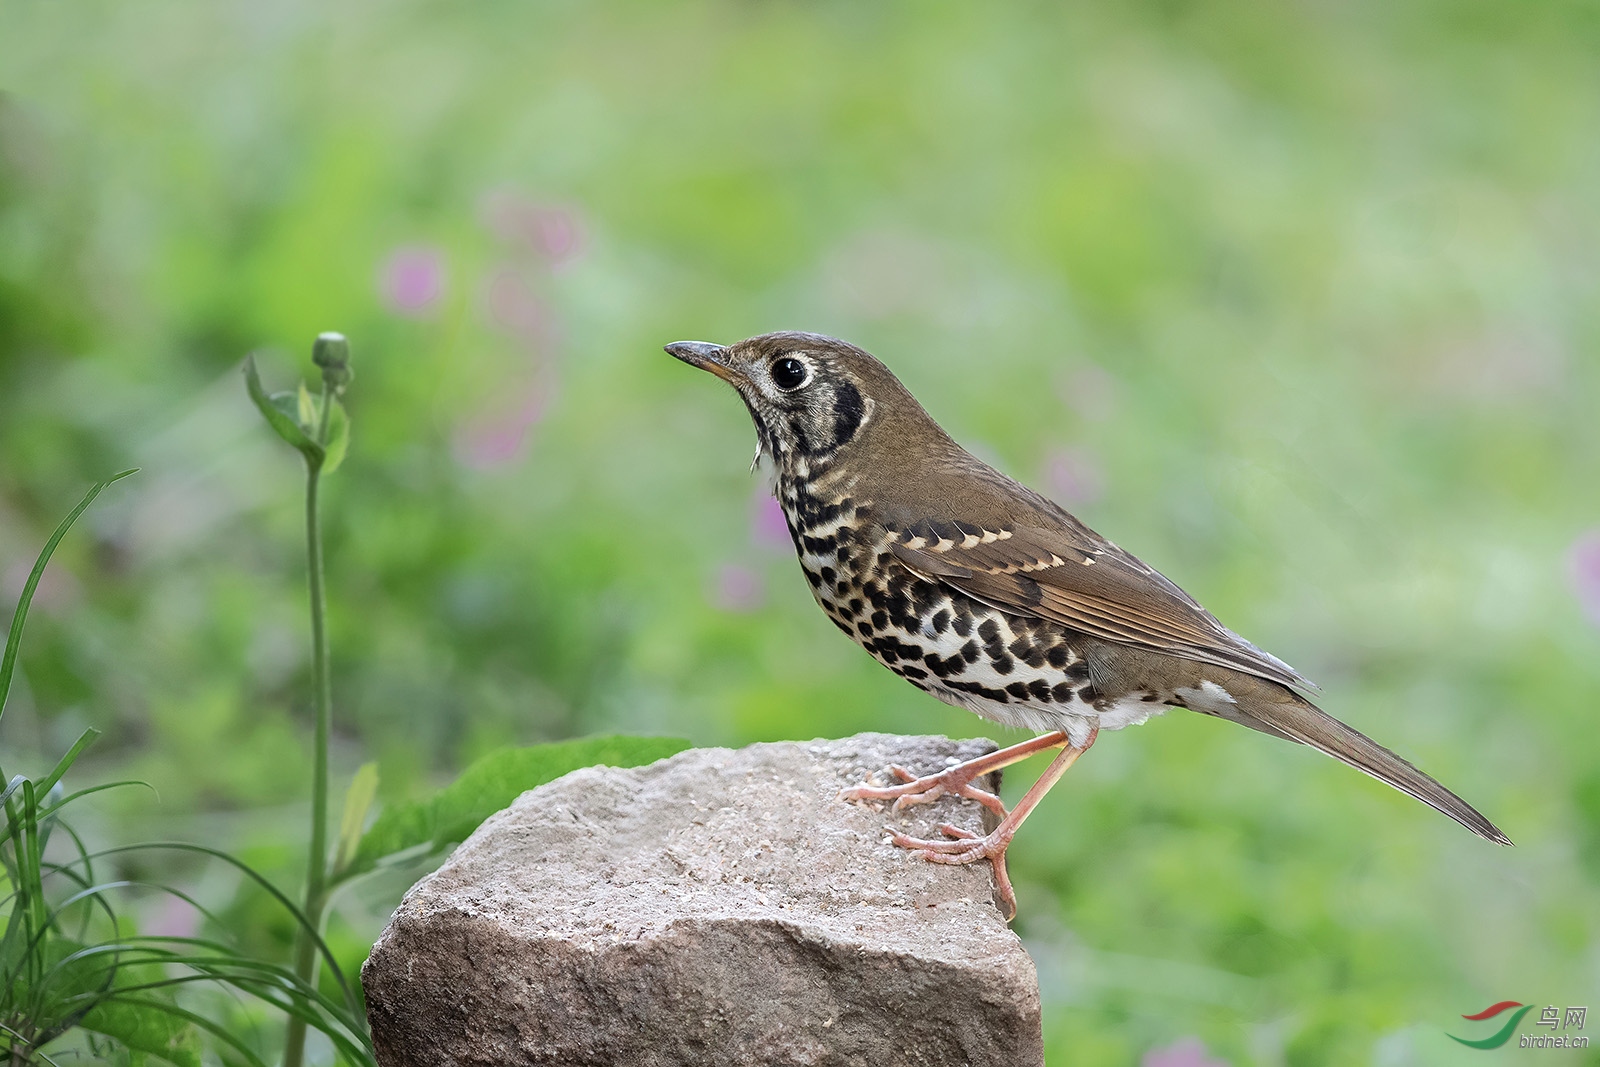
[(991, 597)]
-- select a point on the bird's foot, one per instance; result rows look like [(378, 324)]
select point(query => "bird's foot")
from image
[(956, 781), (963, 847)]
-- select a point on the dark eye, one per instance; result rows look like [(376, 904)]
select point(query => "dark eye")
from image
[(788, 373)]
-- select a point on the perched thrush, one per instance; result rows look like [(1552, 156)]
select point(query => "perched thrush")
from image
[(978, 590)]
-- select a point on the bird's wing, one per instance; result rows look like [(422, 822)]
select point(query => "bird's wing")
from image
[(1075, 577)]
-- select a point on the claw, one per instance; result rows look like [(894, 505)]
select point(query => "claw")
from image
[(925, 790), (967, 847), (962, 846)]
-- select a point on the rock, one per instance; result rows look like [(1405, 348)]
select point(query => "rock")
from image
[(718, 907)]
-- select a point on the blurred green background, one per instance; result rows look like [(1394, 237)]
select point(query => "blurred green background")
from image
[(1295, 301)]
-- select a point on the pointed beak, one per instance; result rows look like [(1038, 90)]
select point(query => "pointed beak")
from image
[(706, 356)]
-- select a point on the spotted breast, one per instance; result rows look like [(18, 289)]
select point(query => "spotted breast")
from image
[(1013, 669)]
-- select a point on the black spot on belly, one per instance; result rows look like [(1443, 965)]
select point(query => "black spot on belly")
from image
[(1002, 664), (940, 621), (926, 596), (1018, 690), (1078, 672), (1040, 690), (962, 624), (1024, 649), (1058, 656), (814, 578), (891, 650), (999, 696), (1063, 693), (907, 671), (997, 652), (944, 668), (969, 651), (829, 575), (880, 621), (989, 630)]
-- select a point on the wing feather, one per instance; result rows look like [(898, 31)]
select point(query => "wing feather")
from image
[(1079, 579)]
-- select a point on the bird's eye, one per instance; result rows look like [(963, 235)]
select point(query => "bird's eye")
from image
[(789, 373)]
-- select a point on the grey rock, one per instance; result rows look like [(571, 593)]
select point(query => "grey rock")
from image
[(718, 907)]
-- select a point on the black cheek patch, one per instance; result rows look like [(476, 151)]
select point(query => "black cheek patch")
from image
[(848, 413)]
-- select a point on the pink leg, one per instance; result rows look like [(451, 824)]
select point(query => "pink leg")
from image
[(956, 781), (969, 848)]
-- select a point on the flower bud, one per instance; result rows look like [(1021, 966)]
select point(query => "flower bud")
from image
[(332, 353)]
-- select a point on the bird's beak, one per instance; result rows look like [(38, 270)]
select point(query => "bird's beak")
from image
[(706, 356)]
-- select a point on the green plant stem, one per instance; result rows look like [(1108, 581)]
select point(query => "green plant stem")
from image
[(305, 957)]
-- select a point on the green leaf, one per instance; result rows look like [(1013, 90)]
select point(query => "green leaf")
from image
[(144, 1027), (80, 986), (282, 417), (492, 783), (338, 436), (305, 411), (357, 802)]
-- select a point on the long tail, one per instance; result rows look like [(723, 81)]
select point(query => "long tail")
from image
[(1275, 710)]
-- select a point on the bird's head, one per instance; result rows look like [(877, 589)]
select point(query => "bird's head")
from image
[(811, 397)]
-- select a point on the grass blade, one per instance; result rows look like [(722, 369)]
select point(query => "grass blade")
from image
[(8, 663)]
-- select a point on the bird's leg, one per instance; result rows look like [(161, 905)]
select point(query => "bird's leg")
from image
[(966, 847), (956, 780)]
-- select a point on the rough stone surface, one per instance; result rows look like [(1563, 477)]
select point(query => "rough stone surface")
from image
[(718, 907)]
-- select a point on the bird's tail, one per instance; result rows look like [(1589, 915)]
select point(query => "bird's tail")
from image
[(1275, 710)]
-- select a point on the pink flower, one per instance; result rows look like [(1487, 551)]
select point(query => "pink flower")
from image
[(1074, 476), (553, 233), (412, 280), (738, 589), (1188, 1052), (768, 527), (497, 436), (516, 307), (1583, 566)]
